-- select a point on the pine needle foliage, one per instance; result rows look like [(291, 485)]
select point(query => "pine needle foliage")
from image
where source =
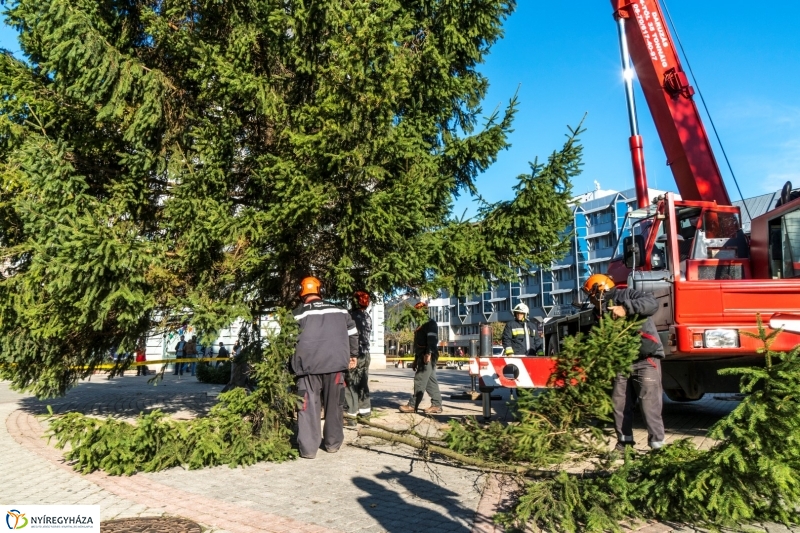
[(753, 472), (243, 428), (561, 423), (751, 475), (173, 160)]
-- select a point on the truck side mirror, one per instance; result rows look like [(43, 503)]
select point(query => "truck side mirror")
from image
[(633, 251)]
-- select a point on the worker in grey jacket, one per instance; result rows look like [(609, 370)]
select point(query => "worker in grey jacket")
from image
[(326, 347), (644, 379)]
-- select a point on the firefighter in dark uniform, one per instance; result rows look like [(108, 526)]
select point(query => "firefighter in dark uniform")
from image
[(326, 347), (521, 336), (357, 379), (644, 379), (426, 341)]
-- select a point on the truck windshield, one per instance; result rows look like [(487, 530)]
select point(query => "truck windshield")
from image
[(635, 223)]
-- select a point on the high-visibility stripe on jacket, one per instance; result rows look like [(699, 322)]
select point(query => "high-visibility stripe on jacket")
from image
[(521, 338), (328, 338)]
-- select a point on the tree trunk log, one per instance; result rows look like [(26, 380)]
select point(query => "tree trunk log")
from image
[(240, 376), (421, 444)]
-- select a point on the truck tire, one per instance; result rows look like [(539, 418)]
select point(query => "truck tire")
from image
[(679, 395)]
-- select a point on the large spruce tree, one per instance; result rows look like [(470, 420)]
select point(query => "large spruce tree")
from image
[(171, 159)]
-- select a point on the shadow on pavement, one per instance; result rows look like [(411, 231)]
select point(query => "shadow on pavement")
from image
[(397, 511), (129, 396)]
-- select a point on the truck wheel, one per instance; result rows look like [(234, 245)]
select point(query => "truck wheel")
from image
[(679, 395)]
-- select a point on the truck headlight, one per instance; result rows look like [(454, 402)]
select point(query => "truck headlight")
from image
[(721, 338)]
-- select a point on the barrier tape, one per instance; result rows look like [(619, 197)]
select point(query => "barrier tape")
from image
[(109, 366), (181, 360)]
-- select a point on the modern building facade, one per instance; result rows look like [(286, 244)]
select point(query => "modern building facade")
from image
[(160, 346)]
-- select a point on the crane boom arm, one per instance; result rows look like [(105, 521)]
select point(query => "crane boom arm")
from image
[(669, 97)]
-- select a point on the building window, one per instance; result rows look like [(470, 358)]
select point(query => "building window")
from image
[(606, 241), (487, 305), (600, 267), (462, 307), (563, 274), (515, 292), (561, 298)]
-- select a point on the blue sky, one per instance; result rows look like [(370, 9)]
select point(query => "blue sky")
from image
[(564, 59)]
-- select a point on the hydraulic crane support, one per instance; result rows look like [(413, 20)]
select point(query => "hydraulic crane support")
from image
[(636, 143), (669, 97)]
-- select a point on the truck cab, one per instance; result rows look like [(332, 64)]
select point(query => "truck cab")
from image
[(695, 258)]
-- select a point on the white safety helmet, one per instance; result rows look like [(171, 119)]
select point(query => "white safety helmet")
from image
[(520, 308)]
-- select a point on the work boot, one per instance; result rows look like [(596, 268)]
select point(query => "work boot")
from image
[(350, 421), (622, 446), (408, 409), (434, 410)]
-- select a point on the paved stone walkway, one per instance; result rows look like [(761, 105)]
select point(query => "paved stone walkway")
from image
[(382, 490)]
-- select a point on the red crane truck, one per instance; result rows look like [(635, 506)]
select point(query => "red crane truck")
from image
[(711, 279)]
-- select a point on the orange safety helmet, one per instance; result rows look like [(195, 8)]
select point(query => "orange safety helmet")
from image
[(310, 285), (421, 305), (361, 298), (597, 283)]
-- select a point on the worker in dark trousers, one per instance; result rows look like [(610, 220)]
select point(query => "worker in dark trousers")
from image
[(644, 379), (357, 379), (326, 347), (426, 341), (521, 336)]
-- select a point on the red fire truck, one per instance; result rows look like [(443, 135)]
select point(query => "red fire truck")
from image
[(711, 279)]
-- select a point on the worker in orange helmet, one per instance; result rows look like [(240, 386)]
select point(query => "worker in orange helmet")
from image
[(327, 346), (426, 342), (644, 379), (357, 379)]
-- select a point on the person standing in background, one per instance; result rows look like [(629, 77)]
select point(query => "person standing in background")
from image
[(180, 353), (357, 379), (521, 336), (426, 342), (191, 352), (222, 352), (141, 357)]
